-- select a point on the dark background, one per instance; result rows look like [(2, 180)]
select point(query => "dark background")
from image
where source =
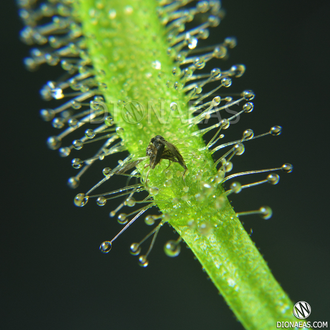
[(53, 275)]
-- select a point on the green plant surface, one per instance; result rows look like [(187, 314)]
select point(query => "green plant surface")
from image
[(124, 52)]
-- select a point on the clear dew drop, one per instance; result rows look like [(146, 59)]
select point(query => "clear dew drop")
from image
[(248, 107), (220, 52), (106, 171), (130, 202), (119, 130), (101, 201), (58, 123), (64, 152), (53, 142), (198, 89), (220, 176), (154, 190), (108, 121), (173, 106), (180, 58), (122, 218), (287, 168), (45, 92), (214, 21), (73, 122), (76, 163), (99, 98), (66, 66), (239, 149), (73, 182), (225, 123), (216, 100), (149, 220), (266, 212), (176, 71), (135, 249), (90, 134), (226, 82), (47, 114), (216, 73), (231, 42), (171, 52), (105, 247), (248, 134), (276, 130), (199, 63), (57, 93), (248, 95), (192, 43), (80, 200), (273, 179), (236, 187), (188, 72), (30, 64), (143, 262), (172, 248), (203, 33), (237, 70), (77, 144), (178, 85), (228, 166)]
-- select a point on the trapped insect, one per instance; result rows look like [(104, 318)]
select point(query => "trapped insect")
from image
[(157, 150)]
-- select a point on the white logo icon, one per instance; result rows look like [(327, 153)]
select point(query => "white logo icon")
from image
[(301, 310)]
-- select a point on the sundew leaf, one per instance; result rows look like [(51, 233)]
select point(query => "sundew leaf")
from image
[(134, 67)]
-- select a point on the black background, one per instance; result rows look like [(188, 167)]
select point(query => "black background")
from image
[(53, 275)]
